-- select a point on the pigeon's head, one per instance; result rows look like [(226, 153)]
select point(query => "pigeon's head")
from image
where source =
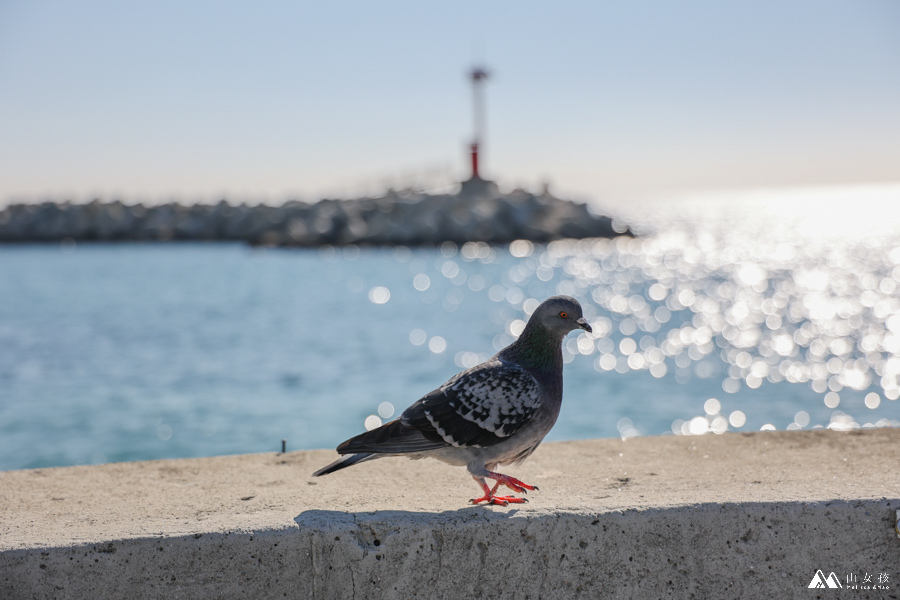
[(561, 314)]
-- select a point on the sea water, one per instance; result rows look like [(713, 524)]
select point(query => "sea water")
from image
[(774, 310)]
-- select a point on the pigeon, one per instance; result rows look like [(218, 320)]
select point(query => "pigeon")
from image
[(495, 413)]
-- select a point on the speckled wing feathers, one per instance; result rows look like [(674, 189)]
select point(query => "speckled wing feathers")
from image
[(479, 407)]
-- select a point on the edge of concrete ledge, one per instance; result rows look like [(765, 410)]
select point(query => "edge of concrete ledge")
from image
[(746, 515)]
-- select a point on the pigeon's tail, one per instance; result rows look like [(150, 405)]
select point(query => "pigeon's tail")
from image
[(344, 462)]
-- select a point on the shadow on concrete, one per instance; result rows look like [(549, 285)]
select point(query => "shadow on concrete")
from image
[(318, 517)]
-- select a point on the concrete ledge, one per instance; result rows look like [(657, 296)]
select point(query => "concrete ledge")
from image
[(738, 515)]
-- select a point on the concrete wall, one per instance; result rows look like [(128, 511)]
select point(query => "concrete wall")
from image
[(749, 516)]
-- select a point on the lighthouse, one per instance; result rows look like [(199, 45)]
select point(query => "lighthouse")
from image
[(478, 76)]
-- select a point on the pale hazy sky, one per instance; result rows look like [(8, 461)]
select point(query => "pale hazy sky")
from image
[(606, 100)]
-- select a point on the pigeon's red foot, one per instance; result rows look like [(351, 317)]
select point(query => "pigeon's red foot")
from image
[(490, 493), (511, 482), (498, 500)]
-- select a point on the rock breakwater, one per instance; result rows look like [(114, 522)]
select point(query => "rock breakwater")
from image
[(479, 212)]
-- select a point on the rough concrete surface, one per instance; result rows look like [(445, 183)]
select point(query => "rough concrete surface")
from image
[(730, 516)]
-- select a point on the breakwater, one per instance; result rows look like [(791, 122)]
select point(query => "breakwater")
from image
[(478, 212)]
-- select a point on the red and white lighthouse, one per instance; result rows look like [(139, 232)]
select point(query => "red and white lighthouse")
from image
[(478, 75)]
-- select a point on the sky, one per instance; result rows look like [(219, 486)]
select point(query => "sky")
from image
[(607, 101)]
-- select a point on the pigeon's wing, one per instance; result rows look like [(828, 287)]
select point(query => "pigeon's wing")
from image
[(390, 438), (479, 407)]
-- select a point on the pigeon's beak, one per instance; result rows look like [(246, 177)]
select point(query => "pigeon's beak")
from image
[(584, 324)]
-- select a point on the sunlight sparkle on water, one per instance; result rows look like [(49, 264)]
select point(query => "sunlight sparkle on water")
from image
[(417, 337), (750, 300), (437, 344), (385, 410), (379, 295)]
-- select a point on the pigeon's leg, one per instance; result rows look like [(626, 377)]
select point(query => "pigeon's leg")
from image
[(487, 491), (489, 496)]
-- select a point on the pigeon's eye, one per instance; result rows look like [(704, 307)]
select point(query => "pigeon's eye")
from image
[(564, 314)]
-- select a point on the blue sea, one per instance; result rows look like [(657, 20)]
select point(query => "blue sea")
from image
[(768, 310)]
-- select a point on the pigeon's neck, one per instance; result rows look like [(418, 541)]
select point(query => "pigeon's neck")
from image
[(537, 348)]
